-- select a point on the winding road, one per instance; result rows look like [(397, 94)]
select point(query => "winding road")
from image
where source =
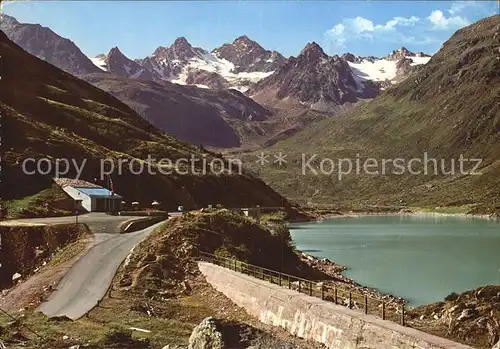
[(89, 278), (98, 222)]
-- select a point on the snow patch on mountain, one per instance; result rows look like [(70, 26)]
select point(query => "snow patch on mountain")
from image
[(211, 63), (99, 61), (382, 69), (419, 60)]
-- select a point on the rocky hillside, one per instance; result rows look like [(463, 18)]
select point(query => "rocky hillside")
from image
[(314, 80), (119, 64), (216, 118), (162, 263), (61, 52), (238, 65), (296, 91), (448, 108), (56, 115), (25, 248), (247, 56), (472, 317), (235, 66)]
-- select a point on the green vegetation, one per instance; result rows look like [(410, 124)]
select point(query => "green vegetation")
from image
[(50, 202), (106, 328), (164, 259), (273, 218), (159, 289), (447, 109), (444, 210), (55, 115)]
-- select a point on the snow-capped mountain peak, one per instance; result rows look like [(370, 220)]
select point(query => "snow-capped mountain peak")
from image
[(244, 62), (248, 56), (184, 64), (181, 50)]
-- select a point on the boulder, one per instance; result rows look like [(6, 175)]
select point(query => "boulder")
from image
[(493, 334), (206, 335), (467, 314)]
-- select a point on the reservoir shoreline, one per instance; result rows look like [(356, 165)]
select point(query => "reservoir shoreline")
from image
[(311, 216), (315, 243)]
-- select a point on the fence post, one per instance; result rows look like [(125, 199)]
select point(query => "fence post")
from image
[(262, 273), (403, 314), (322, 291), (310, 288), (289, 282), (366, 304), (383, 310), (350, 300), (279, 278), (299, 285), (335, 294)]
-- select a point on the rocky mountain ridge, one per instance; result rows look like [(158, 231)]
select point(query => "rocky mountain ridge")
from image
[(56, 115), (239, 64), (235, 65), (289, 88), (314, 80), (449, 108), (247, 56), (61, 52)]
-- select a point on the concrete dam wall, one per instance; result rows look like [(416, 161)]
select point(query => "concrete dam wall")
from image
[(335, 326)]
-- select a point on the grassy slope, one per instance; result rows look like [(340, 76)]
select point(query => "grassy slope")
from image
[(49, 113), (164, 259), (449, 108)]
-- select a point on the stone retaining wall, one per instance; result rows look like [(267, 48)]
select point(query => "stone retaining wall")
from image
[(312, 318)]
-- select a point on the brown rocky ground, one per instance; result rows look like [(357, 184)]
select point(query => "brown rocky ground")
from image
[(472, 317), (159, 289), (25, 248)]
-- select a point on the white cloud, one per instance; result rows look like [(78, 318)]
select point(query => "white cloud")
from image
[(337, 34), (360, 27), (5, 3), (440, 22), (482, 8), (459, 6), (401, 21), (431, 29)]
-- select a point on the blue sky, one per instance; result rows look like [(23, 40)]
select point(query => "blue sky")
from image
[(361, 27)]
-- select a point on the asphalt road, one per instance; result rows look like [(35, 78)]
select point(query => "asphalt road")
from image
[(98, 222), (89, 278)]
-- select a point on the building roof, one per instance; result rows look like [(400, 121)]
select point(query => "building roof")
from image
[(76, 183), (98, 192)]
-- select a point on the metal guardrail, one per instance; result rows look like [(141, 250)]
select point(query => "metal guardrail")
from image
[(338, 295)]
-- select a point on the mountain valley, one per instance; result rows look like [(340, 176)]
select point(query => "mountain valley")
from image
[(294, 92)]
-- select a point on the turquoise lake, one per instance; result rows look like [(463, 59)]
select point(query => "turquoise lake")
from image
[(422, 258)]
